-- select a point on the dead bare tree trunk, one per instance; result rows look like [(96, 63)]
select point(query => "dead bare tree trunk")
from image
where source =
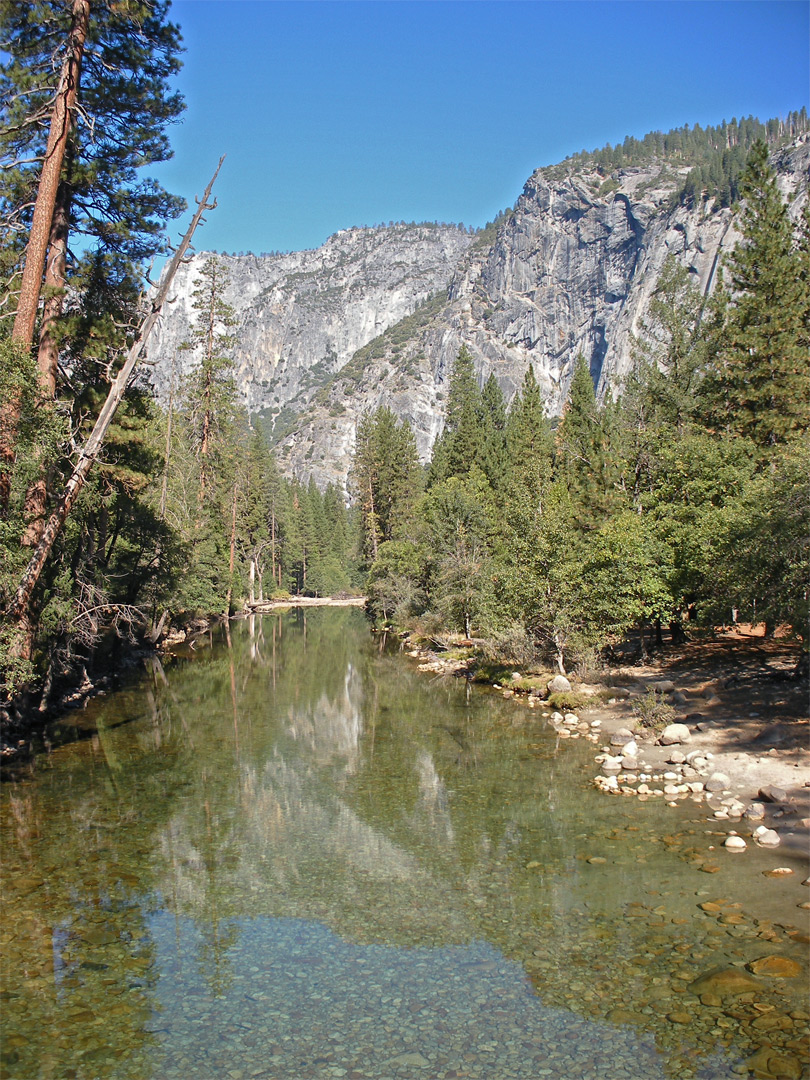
[(22, 599)]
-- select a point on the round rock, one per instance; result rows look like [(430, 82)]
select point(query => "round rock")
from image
[(735, 843), (717, 782), (675, 734), (620, 737), (559, 685)]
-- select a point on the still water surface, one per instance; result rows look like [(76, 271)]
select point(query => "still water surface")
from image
[(290, 855)]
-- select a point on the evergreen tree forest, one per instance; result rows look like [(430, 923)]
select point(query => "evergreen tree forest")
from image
[(716, 156), (683, 497), (686, 492), (184, 515)]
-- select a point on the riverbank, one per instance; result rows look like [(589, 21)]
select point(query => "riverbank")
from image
[(23, 721), (738, 738), (262, 606)]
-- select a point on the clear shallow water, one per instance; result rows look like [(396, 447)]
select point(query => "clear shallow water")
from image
[(293, 856)]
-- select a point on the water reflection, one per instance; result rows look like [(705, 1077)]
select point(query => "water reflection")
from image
[(290, 855)]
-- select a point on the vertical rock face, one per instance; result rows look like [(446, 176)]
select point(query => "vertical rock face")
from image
[(570, 271), (301, 316)]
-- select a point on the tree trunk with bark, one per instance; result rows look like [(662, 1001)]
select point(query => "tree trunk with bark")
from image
[(20, 605), (42, 222), (61, 122)]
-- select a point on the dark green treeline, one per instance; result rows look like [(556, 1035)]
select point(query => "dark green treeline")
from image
[(687, 493)]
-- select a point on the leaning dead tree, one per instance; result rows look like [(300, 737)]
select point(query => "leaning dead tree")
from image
[(20, 605)]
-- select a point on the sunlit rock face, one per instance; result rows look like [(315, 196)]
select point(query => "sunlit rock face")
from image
[(303, 315), (570, 272)]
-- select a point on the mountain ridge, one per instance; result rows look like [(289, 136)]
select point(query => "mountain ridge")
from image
[(376, 316)]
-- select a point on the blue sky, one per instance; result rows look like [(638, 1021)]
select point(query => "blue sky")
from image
[(335, 114)]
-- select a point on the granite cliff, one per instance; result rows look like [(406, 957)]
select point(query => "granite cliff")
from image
[(376, 316), (301, 316)]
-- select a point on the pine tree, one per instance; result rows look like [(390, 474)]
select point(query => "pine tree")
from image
[(581, 461), (530, 446), (385, 476), (86, 103), (456, 526), (116, 125), (670, 351), (759, 384), (210, 390), (458, 447), (492, 453)]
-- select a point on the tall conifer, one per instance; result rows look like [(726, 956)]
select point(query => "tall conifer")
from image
[(760, 381), (530, 446), (458, 447)]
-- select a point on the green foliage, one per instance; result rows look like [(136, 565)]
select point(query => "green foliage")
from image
[(487, 236), (583, 458), (460, 444), (638, 508), (457, 518), (492, 449), (653, 711), (385, 476), (395, 584), (530, 447), (717, 155), (760, 547), (124, 108), (759, 381)]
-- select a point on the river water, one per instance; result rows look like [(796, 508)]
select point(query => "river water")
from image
[(291, 855)]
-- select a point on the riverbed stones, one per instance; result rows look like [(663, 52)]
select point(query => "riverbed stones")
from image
[(412, 1059), (625, 1016), (770, 1064), (767, 837), (621, 737), (772, 794), (679, 1017), (675, 734), (776, 967), (724, 982)]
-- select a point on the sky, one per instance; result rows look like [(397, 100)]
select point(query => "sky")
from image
[(333, 114)]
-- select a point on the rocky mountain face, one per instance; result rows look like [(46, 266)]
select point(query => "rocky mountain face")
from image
[(570, 271), (303, 315)]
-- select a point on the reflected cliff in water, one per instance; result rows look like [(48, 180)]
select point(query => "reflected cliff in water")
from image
[(289, 853)]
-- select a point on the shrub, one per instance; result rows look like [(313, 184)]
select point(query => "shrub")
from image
[(653, 711)]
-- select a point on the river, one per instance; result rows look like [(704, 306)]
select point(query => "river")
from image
[(289, 854)]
